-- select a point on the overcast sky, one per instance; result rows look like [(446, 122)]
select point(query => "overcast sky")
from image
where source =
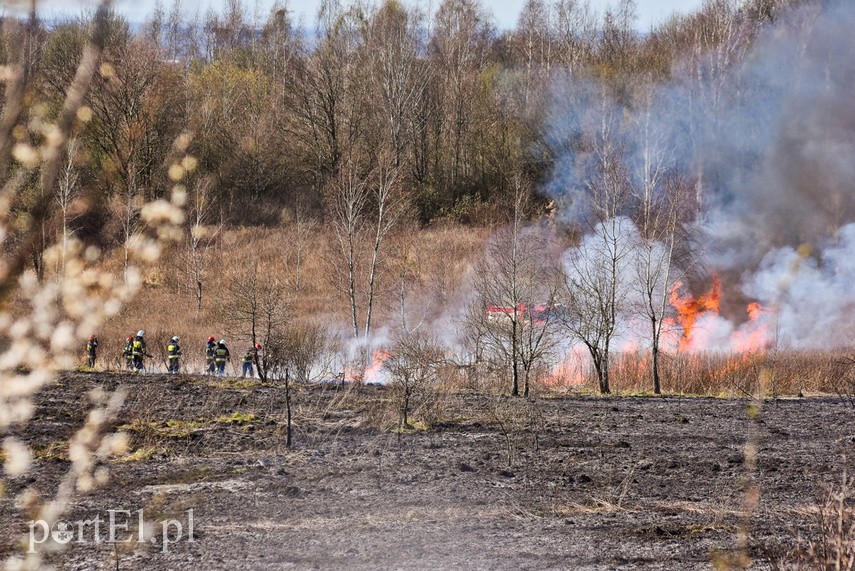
[(504, 11)]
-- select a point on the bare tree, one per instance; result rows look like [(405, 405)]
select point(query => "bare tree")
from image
[(460, 48), (412, 364), (355, 198), (534, 42), (596, 271), (326, 92), (67, 193), (349, 195), (596, 290), (391, 208), (661, 201), (255, 310), (201, 234), (394, 45), (513, 313), (576, 30)]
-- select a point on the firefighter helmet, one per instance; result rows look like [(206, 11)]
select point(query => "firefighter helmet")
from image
[(258, 345), (211, 339), (140, 333), (175, 338)]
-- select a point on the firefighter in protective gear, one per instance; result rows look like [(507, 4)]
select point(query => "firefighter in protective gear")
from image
[(249, 358), (173, 354), (221, 355), (210, 348), (139, 350), (129, 352), (91, 350)]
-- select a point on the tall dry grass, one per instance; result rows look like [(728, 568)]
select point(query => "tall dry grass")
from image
[(426, 268), (431, 263), (788, 373)]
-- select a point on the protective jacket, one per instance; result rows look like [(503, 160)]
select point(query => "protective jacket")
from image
[(138, 348), (221, 354)]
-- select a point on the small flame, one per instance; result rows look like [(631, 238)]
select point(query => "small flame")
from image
[(753, 336), (373, 373)]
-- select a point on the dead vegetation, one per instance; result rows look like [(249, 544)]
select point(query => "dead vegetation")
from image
[(654, 481)]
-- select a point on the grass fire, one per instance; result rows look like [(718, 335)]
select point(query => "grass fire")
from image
[(406, 286)]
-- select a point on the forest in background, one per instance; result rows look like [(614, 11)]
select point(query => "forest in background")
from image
[(381, 124), (458, 111)]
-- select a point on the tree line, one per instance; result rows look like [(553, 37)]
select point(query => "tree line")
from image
[(457, 109), (377, 114)]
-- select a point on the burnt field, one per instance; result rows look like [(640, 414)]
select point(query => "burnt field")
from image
[(552, 483)]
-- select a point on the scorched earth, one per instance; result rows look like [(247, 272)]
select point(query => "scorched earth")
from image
[(552, 483)]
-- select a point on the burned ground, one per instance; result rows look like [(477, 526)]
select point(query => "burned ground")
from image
[(592, 483)]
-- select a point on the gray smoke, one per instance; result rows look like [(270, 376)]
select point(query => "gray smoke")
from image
[(771, 143)]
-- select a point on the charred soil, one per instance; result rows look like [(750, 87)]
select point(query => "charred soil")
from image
[(495, 483)]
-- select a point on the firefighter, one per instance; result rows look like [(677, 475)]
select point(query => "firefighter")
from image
[(249, 358), (221, 355), (129, 353), (173, 353), (139, 351), (91, 350), (210, 348)]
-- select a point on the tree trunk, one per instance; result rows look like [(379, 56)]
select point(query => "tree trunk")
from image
[(352, 290), (515, 389), (657, 386), (604, 375), (288, 408)]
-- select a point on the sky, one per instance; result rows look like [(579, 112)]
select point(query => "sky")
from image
[(505, 12)]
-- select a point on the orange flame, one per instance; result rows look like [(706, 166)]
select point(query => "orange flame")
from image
[(753, 337), (373, 371), (689, 308)]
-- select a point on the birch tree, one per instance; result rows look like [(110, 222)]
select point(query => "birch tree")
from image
[(513, 314), (595, 282), (661, 198)]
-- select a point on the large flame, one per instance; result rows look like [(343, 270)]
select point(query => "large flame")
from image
[(695, 313), (689, 308)]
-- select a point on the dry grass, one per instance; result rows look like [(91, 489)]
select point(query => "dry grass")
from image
[(831, 545), (435, 261), (784, 373)]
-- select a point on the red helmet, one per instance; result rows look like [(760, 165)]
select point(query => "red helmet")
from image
[(130, 337), (258, 345), (92, 337), (210, 338)]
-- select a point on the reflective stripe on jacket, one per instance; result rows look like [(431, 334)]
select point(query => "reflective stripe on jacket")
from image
[(221, 354)]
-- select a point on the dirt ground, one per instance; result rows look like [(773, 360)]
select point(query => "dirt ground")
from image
[(593, 483)]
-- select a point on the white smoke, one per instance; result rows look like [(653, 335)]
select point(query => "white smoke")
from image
[(771, 142), (812, 294)]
